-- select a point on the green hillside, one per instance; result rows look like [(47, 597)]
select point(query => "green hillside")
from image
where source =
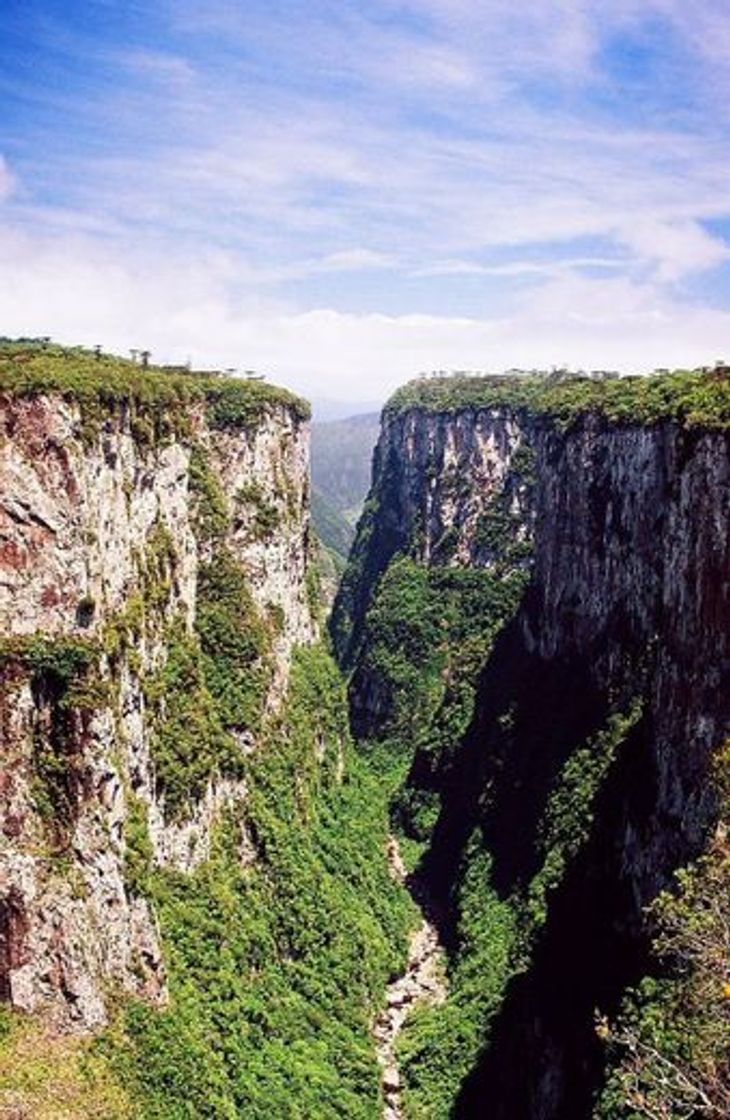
[(341, 457)]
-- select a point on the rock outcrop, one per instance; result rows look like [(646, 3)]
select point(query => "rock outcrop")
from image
[(442, 485), (106, 523), (629, 604)]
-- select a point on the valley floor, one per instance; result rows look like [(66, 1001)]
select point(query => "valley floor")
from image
[(422, 981)]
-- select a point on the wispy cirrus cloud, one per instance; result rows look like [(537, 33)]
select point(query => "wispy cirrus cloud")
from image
[(159, 66), (487, 170)]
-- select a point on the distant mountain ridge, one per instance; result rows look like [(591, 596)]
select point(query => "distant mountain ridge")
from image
[(341, 459), (341, 464), (327, 409)]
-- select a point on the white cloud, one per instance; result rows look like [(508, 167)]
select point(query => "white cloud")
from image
[(354, 260), (347, 139), (518, 268), (439, 153), (675, 248), (78, 292)]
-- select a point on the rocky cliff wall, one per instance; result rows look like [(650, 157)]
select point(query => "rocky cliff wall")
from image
[(106, 531), (581, 774), (628, 610), (447, 489), (75, 517)]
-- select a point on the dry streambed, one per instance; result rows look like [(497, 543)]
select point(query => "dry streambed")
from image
[(421, 982)]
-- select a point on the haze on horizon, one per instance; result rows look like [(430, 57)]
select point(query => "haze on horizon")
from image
[(340, 195)]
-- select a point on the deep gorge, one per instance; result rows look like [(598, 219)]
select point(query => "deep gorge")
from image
[(196, 913), (536, 613)]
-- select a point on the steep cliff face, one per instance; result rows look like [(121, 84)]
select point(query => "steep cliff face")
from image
[(196, 915), (454, 494), (76, 515), (627, 612), (445, 491), (536, 619), (110, 533), (575, 781)]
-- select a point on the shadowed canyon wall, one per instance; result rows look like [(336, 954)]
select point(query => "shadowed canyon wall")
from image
[(579, 780)]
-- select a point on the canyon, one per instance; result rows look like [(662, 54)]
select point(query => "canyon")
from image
[(196, 914), (208, 825), (541, 578)]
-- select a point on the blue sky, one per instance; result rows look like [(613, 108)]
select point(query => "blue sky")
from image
[(344, 194)]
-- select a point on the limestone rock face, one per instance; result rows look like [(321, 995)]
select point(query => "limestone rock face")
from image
[(84, 519), (439, 480), (628, 601), (74, 517), (455, 467)]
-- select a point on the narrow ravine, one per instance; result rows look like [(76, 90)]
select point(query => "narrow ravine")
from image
[(423, 981)]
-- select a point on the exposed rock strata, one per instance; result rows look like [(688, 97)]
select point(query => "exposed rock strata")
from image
[(435, 479), (77, 519), (629, 602), (630, 598)]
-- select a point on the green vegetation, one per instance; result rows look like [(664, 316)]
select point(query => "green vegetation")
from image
[(500, 541), (568, 817), (492, 527), (235, 643), (55, 1077), (670, 1047), (427, 634), (279, 946), (210, 506), (189, 743), (66, 669), (155, 568), (277, 966), (359, 578), (158, 400), (266, 517), (146, 608), (416, 639), (313, 588), (237, 403), (214, 680), (494, 936), (440, 1045), (64, 659), (139, 852), (330, 567), (334, 531), (342, 452), (692, 398), (121, 629)]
